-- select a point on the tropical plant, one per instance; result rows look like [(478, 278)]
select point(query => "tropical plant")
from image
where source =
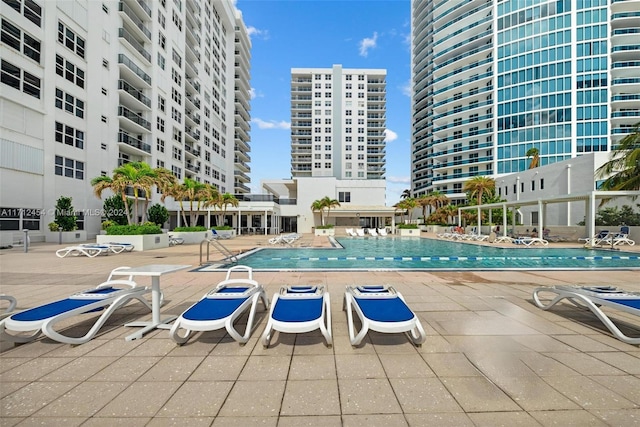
[(407, 205), (222, 201), (477, 186), (622, 171), (114, 210), (190, 229), (534, 154), (405, 194), (138, 176), (614, 216), (158, 214), (126, 230), (325, 203), (194, 192), (65, 216)]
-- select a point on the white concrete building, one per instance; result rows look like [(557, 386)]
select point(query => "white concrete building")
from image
[(90, 85), (338, 122), (492, 79)]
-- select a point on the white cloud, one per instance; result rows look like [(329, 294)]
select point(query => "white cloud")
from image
[(253, 93), (253, 31), (368, 43), (407, 88), (271, 124), (399, 179), (390, 135)]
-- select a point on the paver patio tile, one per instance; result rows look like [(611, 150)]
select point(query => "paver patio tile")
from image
[(311, 398)]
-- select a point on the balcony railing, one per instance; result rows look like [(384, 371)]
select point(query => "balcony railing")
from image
[(136, 93), (123, 137), (134, 117), (122, 33), (123, 7), (122, 59)]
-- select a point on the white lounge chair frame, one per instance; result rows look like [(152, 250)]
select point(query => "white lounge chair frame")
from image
[(530, 241), (360, 232), (90, 251), (412, 327), (373, 232), (323, 322), (12, 305), (382, 231), (254, 292), (593, 298), (47, 325)]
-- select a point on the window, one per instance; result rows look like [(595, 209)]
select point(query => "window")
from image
[(344, 196), (177, 153), (68, 38), (12, 36), (161, 61), (162, 41), (160, 145), (19, 79), (30, 9), (20, 218), (161, 104), (69, 71), (160, 124), (69, 136), (69, 103), (69, 168), (542, 183)]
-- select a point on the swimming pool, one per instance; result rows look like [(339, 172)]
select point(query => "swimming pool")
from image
[(413, 253)]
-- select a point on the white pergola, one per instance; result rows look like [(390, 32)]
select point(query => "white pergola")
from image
[(589, 199)]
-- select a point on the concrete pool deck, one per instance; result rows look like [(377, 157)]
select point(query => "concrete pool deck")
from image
[(491, 356)]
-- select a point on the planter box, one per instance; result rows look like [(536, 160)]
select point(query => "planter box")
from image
[(140, 242), (77, 236), (190, 237), (325, 232), (408, 232)]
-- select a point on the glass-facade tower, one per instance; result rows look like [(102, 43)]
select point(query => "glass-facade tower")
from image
[(492, 80)]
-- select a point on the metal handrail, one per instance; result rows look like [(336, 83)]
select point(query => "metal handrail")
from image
[(228, 255)]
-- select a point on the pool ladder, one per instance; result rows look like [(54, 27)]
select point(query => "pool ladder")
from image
[(228, 255)]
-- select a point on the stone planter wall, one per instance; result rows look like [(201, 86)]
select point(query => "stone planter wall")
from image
[(77, 236), (191, 237), (140, 242), (408, 232), (325, 232)]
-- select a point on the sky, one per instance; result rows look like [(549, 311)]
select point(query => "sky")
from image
[(288, 34)]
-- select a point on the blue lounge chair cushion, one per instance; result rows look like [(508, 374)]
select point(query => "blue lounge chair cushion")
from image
[(385, 309), (298, 310), (633, 303), (58, 307), (232, 290), (213, 309)]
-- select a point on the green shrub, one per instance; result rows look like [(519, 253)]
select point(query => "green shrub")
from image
[(222, 227), (322, 227), (411, 226), (188, 229), (53, 226), (65, 217), (115, 211), (107, 223), (158, 214), (128, 230)]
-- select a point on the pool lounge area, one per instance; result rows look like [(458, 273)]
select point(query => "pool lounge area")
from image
[(491, 357)]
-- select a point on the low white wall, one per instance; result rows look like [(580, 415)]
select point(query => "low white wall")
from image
[(77, 236), (140, 242), (190, 237)]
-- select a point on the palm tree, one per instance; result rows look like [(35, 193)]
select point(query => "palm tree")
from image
[(405, 194), (478, 185), (178, 192), (440, 198), (224, 200), (622, 171), (116, 185), (325, 203), (424, 201), (318, 206), (450, 211), (535, 157), (408, 204), (197, 192)]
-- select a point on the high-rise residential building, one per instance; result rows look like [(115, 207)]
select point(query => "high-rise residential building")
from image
[(493, 79), (338, 122), (90, 85)]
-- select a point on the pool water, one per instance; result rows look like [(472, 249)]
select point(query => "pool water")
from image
[(414, 253)]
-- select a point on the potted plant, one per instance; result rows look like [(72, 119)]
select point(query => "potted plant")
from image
[(64, 228), (325, 230), (142, 236), (190, 235), (408, 230)]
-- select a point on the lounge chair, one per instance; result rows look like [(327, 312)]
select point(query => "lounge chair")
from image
[(90, 251), (622, 237), (373, 232), (222, 306), (598, 239), (10, 307), (173, 241), (298, 309), (216, 235), (360, 232), (530, 241), (350, 232), (382, 309), (503, 239), (593, 298), (109, 295), (115, 248), (382, 231)]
